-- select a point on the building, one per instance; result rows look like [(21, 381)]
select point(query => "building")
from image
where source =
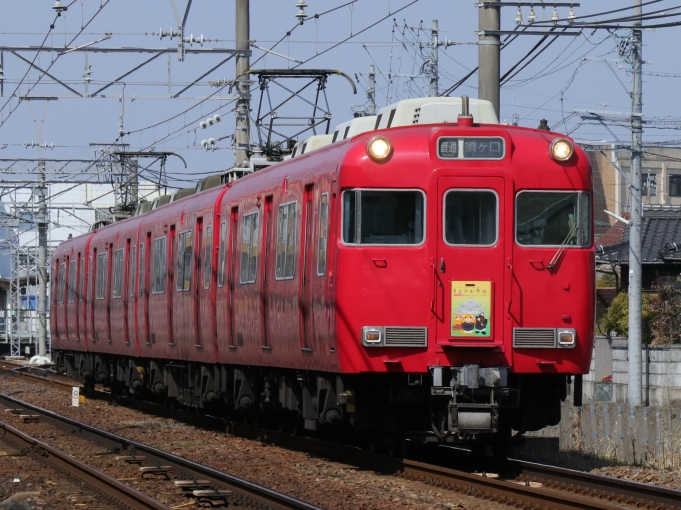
[(661, 186)]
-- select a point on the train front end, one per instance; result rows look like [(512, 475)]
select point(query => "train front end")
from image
[(465, 279)]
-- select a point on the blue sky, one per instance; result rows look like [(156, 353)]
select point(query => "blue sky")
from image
[(551, 86)]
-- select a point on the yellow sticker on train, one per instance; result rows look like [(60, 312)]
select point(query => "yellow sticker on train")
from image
[(471, 312)]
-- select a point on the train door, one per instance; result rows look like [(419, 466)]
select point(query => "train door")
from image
[(131, 291), (143, 290), (198, 257), (233, 251), (264, 290), (172, 295), (204, 277), (82, 322), (470, 266), (306, 272), (124, 291)]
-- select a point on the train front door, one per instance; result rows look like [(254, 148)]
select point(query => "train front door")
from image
[(470, 266)]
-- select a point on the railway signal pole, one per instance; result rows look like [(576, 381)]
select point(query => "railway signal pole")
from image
[(42, 261), (636, 220), (489, 50), (243, 64), (434, 49)]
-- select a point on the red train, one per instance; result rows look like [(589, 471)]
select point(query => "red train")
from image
[(431, 278)]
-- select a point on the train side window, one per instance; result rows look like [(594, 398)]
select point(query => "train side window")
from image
[(286, 241), (222, 255), (385, 217), (160, 260), (62, 280), (117, 290), (140, 278), (100, 281), (549, 218), (323, 233), (72, 281), (249, 247), (471, 217), (207, 259), (133, 270), (184, 261), (81, 284)]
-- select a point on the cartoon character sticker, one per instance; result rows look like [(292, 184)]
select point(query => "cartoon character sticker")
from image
[(471, 309)]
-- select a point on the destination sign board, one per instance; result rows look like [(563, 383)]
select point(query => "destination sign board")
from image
[(449, 147)]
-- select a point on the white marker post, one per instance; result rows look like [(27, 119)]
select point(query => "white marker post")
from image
[(75, 396)]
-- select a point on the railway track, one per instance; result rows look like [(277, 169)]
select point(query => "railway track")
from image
[(209, 484), (114, 490), (560, 488)]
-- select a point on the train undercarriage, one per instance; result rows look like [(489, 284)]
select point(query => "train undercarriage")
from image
[(470, 405)]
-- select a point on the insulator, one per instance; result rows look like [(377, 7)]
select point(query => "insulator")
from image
[(301, 12), (531, 17), (571, 16), (518, 16), (203, 124), (554, 16)]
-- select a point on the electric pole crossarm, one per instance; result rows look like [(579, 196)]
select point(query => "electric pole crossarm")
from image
[(203, 76), (127, 74), (45, 73)]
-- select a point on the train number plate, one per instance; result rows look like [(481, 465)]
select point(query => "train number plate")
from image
[(471, 148), (471, 309)]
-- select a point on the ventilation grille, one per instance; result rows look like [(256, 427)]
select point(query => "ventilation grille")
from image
[(407, 337), (537, 338), (417, 114)]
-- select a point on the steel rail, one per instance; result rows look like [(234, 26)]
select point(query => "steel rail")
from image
[(554, 477), (466, 483), (250, 491), (118, 491)]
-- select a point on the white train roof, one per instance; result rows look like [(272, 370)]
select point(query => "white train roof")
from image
[(433, 110), (422, 110), (354, 127)]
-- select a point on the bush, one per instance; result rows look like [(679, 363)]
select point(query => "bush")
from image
[(666, 307), (616, 318)]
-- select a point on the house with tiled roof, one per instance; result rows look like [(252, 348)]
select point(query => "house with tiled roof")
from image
[(660, 246)]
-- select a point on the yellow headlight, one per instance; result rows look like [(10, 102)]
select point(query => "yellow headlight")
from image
[(561, 149), (379, 149)]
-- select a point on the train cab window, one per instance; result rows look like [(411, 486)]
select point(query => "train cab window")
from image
[(222, 255), (471, 217), (323, 233), (553, 218), (286, 241), (387, 217), (100, 281), (72, 281), (140, 278), (62, 280), (249, 248), (160, 262), (207, 259), (117, 290), (184, 261), (133, 270)]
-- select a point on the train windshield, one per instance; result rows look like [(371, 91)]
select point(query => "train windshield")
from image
[(553, 218), (383, 217)]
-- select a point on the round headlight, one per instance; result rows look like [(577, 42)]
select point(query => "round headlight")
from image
[(379, 149), (561, 149)]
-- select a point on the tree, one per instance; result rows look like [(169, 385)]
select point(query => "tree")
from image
[(616, 318)]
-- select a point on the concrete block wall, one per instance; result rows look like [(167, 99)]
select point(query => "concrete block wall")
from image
[(660, 366)]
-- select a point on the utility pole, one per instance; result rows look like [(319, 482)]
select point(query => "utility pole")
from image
[(42, 261), (243, 64), (489, 48), (434, 56), (636, 220), (371, 91)]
